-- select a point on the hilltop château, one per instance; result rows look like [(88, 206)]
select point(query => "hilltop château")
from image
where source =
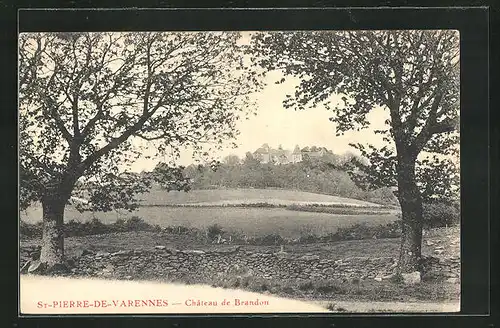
[(266, 154)]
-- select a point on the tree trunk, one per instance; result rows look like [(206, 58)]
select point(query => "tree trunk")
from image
[(410, 200), (52, 252)]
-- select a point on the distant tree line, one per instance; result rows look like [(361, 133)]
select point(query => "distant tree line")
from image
[(323, 175)]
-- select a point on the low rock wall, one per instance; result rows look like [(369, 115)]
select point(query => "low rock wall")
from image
[(164, 263)]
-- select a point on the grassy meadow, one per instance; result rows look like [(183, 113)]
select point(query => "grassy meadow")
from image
[(245, 196), (208, 207)]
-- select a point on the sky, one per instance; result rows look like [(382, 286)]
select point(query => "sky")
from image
[(276, 125)]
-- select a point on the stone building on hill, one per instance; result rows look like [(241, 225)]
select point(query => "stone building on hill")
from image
[(266, 154)]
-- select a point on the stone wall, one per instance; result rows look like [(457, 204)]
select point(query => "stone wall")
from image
[(171, 264)]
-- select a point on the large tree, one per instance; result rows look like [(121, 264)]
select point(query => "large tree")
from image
[(90, 102), (412, 75)]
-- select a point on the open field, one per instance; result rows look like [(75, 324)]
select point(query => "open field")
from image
[(206, 207), (246, 196), (248, 221)]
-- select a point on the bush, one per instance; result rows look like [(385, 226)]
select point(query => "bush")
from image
[(334, 308), (214, 230), (309, 239), (337, 209), (91, 227), (440, 215), (120, 225), (95, 227), (268, 240), (179, 230), (30, 230), (306, 285), (75, 228), (136, 223)]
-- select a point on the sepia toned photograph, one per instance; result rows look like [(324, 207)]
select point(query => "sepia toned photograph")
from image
[(239, 172)]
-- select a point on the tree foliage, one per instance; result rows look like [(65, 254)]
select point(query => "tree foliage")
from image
[(412, 74), (319, 175), (90, 103)]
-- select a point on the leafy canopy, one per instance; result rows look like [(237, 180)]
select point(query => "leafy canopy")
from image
[(90, 102), (413, 75)]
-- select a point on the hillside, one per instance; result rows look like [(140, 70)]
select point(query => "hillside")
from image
[(158, 197), (202, 208), (203, 198)]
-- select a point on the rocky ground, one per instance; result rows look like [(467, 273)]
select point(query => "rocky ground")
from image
[(90, 256)]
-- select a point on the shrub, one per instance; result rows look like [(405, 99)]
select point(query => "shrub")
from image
[(136, 223), (95, 227), (75, 228), (308, 239), (267, 240), (357, 231), (272, 239), (329, 287), (334, 308), (337, 209), (331, 306), (30, 230), (214, 230), (440, 215), (120, 225), (306, 285)]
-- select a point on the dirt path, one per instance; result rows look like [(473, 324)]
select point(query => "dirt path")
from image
[(57, 295)]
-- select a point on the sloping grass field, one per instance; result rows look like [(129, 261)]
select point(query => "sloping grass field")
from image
[(160, 208), (246, 196)]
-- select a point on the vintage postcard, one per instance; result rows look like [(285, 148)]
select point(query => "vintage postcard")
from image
[(239, 172)]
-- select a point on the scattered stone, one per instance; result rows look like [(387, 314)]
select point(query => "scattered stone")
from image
[(25, 267), (411, 278), (438, 251), (377, 279), (160, 247), (388, 277), (102, 254), (172, 251), (309, 257), (35, 266), (429, 243), (79, 252), (194, 251), (123, 252), (439, 247)]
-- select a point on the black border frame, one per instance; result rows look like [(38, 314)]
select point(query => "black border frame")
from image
[(473, 24)]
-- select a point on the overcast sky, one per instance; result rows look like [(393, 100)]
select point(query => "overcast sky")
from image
[(276, 126)]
